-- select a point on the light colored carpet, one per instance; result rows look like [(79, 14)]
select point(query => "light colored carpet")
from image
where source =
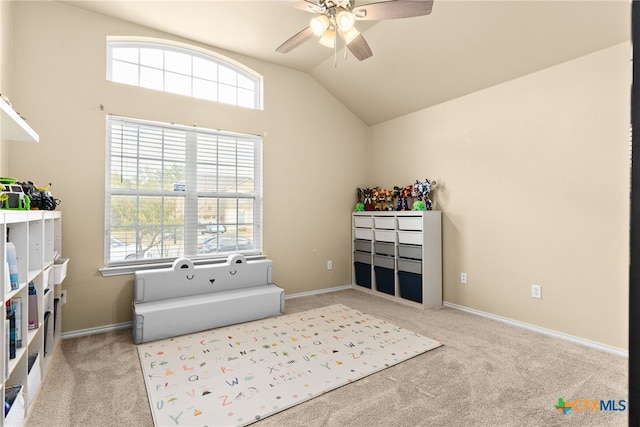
[(487, 374), (239, 374)]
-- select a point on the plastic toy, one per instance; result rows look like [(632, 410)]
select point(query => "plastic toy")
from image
[(384, 199), (368, 199), (403, 194), (421, 191), (15, 199), (359, 204)]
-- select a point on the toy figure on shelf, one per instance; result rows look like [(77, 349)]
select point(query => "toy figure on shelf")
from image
[(388, 200), (384, 200), (368, 199), (403, 195), (359, 204), (376, 197), (421, 191)]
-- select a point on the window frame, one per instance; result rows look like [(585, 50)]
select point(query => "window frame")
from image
[(194, 52), (190, 223)]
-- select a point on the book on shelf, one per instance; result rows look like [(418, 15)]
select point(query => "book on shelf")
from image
[(6, 347), (33, 307), (17, 309), (11, 316), (12, 259), (7, 278)]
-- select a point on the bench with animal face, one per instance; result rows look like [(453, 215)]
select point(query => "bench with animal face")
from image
[(186, 298)]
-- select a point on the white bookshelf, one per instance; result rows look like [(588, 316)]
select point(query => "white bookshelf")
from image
[(36, 236)]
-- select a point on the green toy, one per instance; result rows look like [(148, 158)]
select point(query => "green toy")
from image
[(13, 196), (419, 205), (359, 205)]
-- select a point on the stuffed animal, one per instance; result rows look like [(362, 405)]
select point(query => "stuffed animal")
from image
[(419, 205)]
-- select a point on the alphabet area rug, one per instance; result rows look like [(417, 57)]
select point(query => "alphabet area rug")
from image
[(236, 375)]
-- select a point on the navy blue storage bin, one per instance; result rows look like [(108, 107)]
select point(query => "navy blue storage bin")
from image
[(410, 286), (384, 280), (363, 274)]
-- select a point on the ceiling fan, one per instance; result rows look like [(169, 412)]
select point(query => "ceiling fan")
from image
[(337, 17)]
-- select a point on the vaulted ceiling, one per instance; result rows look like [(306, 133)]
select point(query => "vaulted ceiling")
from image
[(460, 48)]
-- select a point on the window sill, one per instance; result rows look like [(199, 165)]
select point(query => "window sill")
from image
[(120, 270)]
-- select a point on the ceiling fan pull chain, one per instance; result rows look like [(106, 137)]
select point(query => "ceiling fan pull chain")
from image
[(345, 48), (335, 53)]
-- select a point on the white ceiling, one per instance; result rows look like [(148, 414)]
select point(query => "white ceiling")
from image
[(460, 48)]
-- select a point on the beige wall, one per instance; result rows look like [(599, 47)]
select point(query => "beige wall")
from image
[(6, 53), (310, 170), (533, 174), (533, 181)]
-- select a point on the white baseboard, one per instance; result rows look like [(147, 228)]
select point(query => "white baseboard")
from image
[(98, 330), (540, 330), (318, 292)]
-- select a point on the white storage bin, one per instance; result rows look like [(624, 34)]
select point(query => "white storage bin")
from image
[(385, 235), (363, 221), (410, 237), (34, 377), (15, 417), (363, 233), (410, 223), (388, 223), (60, 270), (46, 277)]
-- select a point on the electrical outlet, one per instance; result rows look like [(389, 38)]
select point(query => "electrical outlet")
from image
[(463, 278), (329, 265), (536, 291)]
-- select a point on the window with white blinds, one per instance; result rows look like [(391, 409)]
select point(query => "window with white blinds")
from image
[(184, 71), (175, 191)]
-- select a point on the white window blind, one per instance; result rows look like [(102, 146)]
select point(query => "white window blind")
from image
[(176, 191)]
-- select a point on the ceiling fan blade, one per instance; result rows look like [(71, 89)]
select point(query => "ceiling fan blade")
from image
[(392, 10), (295, 41), (360, 48), (306, 5)]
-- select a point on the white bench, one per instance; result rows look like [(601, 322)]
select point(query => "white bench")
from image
[(184, 298)]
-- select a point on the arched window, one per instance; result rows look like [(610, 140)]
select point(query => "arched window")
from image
[(184, 70)]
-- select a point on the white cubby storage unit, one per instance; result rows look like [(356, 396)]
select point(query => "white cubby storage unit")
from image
[(398, 254), (37, 238)]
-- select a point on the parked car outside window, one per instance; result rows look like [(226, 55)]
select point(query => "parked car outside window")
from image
[(212, 227), (224, 243)]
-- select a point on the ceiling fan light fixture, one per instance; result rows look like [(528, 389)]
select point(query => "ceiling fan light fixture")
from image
[(328, 39), (345, 20), (319, 25)]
